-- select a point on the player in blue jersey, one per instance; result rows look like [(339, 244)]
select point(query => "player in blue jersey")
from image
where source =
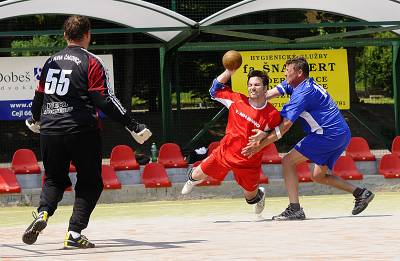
[(327, 137)]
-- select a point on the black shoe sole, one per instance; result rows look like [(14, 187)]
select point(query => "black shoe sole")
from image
[(366, 205), (76, 247), (287, 219), (30, 236)]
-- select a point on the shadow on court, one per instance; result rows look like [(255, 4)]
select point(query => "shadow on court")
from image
[(102, 246), (316, 218), (218, 230), (349, 216)]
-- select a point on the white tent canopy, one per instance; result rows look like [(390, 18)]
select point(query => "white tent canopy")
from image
[(141, 14), (367, 10), (132, 13)]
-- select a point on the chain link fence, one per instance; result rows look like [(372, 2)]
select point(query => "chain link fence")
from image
[(137, 79)]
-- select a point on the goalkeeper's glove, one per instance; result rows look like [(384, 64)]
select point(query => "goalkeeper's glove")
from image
[(138, 131), (32, 125)]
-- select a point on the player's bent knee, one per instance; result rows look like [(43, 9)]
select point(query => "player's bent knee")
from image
[(319, 178), (287, 160)]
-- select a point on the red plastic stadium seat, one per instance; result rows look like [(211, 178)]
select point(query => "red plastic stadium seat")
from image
[(123, 158), (170, 156), (24, 162), (389, 166), (359, 150), (271, 155), (8, 181), (263, 178), (212, 146), (110, 179), (44, 176), (346, 168), (396, 145), (303, 172), (155, 176), (72, 167)]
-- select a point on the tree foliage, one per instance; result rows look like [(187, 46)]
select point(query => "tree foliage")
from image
[(40, 42), (375, 68)]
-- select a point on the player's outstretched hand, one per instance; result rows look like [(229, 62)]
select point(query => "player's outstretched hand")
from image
[(258, 136), (251, 149), (33, 125), (139, 132)]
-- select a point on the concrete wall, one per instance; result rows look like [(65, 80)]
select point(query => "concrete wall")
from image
[(228, 189)]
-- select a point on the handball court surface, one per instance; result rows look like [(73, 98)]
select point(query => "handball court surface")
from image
[(215, 229)]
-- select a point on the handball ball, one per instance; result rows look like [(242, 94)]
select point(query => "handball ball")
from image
[(232, 60)]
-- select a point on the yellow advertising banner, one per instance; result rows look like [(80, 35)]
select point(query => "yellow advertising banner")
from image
[(328, 68)]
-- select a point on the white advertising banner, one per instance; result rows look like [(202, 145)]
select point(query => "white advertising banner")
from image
[(19, 77)]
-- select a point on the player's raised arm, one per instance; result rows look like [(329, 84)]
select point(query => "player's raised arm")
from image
[(220, 81), (281, 89), (231, 60), (274, 92)]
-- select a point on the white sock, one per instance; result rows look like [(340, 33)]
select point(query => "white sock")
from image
[(41, 213), (74, 234)]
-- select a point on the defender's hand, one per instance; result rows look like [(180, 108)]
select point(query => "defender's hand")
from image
[(251, 149), (258, 136)]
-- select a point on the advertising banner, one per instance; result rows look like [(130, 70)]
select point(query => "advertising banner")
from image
[(328, 68), (19, 77)]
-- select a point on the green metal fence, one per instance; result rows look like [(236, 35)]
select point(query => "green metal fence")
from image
[(168, 88)]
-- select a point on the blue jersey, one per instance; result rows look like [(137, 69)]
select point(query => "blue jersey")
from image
[(314, 106)]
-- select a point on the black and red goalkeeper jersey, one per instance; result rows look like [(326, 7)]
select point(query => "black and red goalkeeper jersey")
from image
[(73, 84)]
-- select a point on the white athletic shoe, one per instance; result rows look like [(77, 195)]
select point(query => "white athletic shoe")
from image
[(259, 207), (189, 185)]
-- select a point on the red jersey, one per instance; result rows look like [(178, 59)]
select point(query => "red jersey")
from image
[(242, 119)]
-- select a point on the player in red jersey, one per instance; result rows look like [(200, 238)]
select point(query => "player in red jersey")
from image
[(245, 114)]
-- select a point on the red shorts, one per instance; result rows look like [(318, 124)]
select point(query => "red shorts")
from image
[(248, 178)]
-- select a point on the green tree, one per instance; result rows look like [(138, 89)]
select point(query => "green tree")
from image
[(375, 68), (40, 43)]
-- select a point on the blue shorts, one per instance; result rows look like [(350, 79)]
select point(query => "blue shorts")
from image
[(323, 150)]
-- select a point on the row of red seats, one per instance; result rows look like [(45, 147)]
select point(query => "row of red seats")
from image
[(170, 156), (23, 162), (154, 175), (358, 150)]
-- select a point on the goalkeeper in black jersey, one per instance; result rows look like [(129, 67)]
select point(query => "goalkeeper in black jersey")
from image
[(74, 85)]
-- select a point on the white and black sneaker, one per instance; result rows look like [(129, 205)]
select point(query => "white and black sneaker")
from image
[(189, 185), (260, 205), (361, 202), (290, 214)]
